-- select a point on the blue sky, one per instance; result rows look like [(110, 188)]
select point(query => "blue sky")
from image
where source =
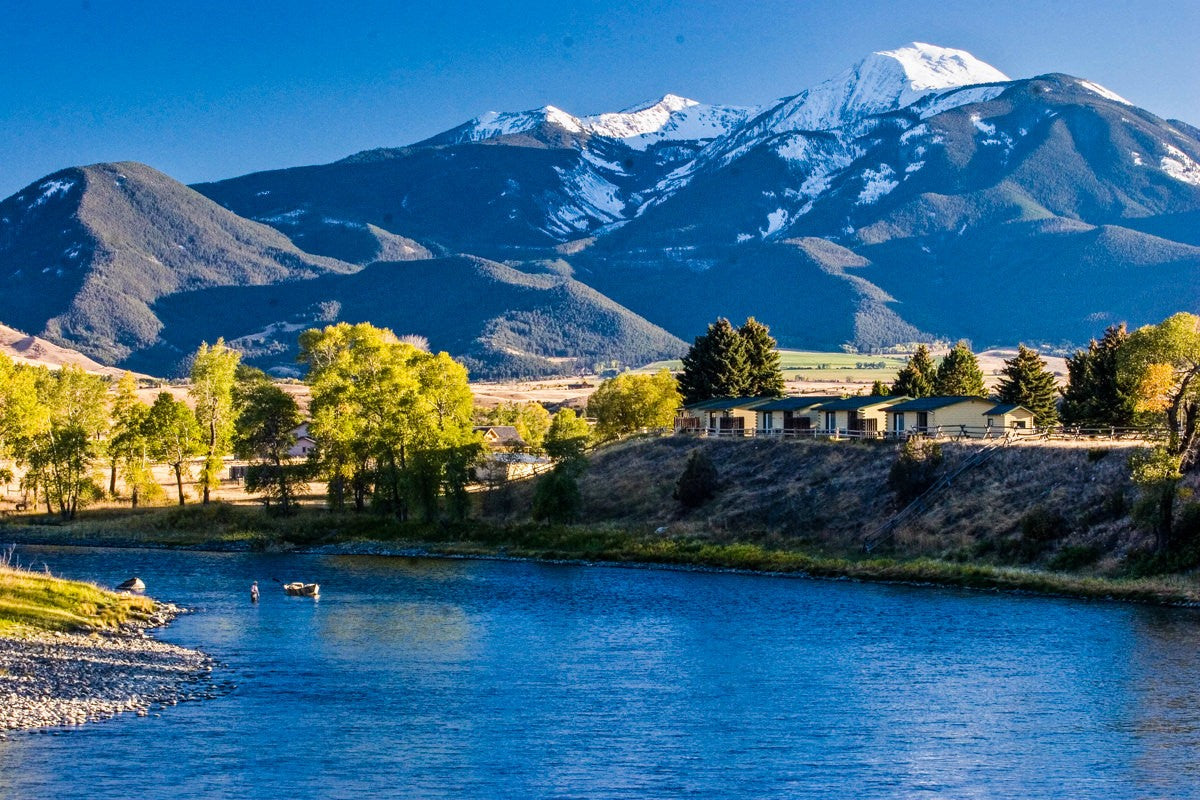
[(208, 90)]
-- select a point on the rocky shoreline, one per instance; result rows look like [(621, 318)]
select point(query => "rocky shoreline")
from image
[(55, 680)]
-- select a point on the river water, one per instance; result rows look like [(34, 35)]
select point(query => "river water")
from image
[(432, 678)]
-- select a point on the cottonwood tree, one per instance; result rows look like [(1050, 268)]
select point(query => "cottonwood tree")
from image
[(959, 374), (388, 416), (1162, 365), (629, 402), (1027, 381), (173, 436), (1096, 394), (265, 432), (531, 420), (568, 437), (213, 376), (129, 443), (917, 377), (60, 450)]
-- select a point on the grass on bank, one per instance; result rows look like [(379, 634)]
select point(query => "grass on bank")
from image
[(38, 601), (222, 526)]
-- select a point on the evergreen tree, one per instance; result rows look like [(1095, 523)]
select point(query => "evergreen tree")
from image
[(1095, 394), (699, 481), (880, 389), (917, 377), (715, 365), (764, 378), (959, 375), (1029, 383)]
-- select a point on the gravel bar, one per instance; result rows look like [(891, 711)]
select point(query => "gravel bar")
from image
[(55, 680)]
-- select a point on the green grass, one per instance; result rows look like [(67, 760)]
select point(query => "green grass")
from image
[(222, 526), (37, 601), (818, 366)]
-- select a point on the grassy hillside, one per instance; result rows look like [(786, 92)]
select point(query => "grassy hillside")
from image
[(830, 497), (87, 251)]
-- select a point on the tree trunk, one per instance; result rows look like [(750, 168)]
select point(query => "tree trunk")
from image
[(134, 496), (179, 481), (112, 479)]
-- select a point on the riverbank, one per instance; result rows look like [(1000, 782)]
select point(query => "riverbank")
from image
[(72, 653), (240, 529)]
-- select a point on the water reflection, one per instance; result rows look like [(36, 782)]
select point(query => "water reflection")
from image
[(436, 678)]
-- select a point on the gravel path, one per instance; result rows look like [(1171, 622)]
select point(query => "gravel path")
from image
[(50, 680)]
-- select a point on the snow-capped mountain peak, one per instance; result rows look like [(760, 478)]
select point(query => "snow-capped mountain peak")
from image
[(672, 118), (883, 81)]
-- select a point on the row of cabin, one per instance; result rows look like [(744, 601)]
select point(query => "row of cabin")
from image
[(866, 416)]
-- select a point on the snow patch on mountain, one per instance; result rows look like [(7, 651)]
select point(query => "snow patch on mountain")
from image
[(932, 106), (51, 188), (671, 118), (876, 184), (1180, 166), (1107, 94)]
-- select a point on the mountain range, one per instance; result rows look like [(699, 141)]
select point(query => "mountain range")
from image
[(919, 195)]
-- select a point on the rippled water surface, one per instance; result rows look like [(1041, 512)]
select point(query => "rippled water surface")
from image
[(436, 678)]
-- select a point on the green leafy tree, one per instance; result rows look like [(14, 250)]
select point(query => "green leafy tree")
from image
[(214, 371), (1028, 382), (129, 445), (1156, 472), (531, 420), (567, 439), (60, 452), (699, 481), (1096, 394), (1162, 364), (764, 378), (174, 436), (629, 402), (265, 432), (959, 374), (389, 418), (557, 498), (917, 377), (715, 365)]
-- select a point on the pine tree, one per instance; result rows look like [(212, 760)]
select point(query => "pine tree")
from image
[(764, 378), (959, 375), (1095, 395), (880, 389), (1029, 383), (916, 378), (715, 366)]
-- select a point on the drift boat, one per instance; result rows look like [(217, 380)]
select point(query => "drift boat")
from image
[(302, 589)]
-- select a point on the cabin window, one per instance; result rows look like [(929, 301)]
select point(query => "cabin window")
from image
[(899, 423), (1020, 423), (922, 419), (767, 421), (830, 420)]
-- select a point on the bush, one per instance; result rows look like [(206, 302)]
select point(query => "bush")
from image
[(1039, 528), (699, 481), (556, 497), (915, 469), (1075, 557)]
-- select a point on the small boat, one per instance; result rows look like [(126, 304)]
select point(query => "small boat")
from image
[(134, 584), (302, 589)]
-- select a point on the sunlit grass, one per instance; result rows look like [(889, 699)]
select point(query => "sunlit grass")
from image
[(35, 600)]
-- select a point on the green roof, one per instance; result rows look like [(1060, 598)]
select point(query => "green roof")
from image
[(725, 403), (795, 403), (1004, 408), (859, 401), (934, 403)]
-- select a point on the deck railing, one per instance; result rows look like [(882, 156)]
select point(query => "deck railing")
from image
[(942, 432)]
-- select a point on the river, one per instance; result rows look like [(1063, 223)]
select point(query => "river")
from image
[(433, 678)]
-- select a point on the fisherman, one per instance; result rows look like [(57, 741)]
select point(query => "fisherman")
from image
[(254, 592)]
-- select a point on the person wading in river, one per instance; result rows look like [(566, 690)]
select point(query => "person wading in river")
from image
[(254, 592)]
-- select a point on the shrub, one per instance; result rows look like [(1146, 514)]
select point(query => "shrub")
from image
[(699, 480), (915, 469), (556, 497), (1040, 527), (1075, 557)]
